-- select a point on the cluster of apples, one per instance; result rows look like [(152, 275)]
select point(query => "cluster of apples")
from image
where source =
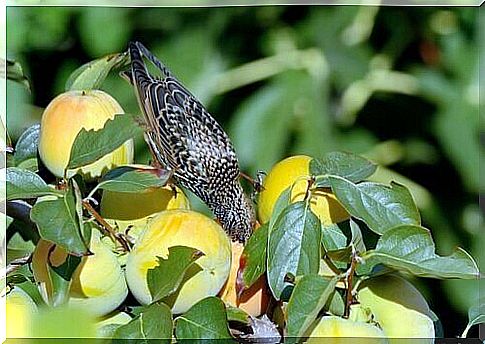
[(159, 218)]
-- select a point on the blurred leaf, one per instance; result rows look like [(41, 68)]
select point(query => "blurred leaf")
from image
[(310, 295), (457, 128), (133, 179), (58, 222), (476, 315), (90, 145), (154, 322), (267, 108), (206, 319), (379, 206), (347, 165), (63, 322), (197, 71), (15, 73), (164, 279), (23, 184), (411, 248), (237, 315), (94, 37), (26, 147), (294, 246), (92, 74), (252, 264)]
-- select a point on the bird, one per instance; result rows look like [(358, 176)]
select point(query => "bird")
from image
[(185, 139)]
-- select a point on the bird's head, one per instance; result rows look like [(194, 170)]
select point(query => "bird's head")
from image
[(236, 214)]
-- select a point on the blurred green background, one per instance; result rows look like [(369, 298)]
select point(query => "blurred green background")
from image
[(397, 84)]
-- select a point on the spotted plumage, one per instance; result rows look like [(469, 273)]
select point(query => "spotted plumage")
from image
[(186, 139)]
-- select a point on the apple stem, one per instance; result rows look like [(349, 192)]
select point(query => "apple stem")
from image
[(109, 230)]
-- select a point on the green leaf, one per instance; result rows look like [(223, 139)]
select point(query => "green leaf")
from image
[(165, 278), (281, 203), (154, 322), (293, 246), (335, 304), (357, 239), (90, 145), (253, 259), (60, 276), (411, 248), (379, 206), (26, 147), (333, 238), (476, 315), (133, 179), (23, 184), (310, 295), (92, 74), (206, 319), (237, 315), (58, 222), (16, 73), (347, 165)]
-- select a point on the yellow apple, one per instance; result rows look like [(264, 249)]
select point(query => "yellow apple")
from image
[(254, 300), (397, 306), (20, 309), (181, 228), (341, 331), (296, 170), (98, 284), (62, 120)]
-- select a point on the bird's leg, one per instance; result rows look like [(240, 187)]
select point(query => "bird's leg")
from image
[(257, 182)]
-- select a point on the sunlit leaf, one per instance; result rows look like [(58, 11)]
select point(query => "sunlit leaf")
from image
[(381, 207), (90, 145), (154, 322), (23, 184), (237, 315), (476, 315), (411, 248), (60, 277), (347, 165), (207, 319), (310, 295), (165, 278), (92, 74), (294, 246), (58, 222), (26, 147), (133, 179), (253, 259), (357, 239)]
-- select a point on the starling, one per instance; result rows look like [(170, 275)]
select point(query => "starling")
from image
[(187, 140)]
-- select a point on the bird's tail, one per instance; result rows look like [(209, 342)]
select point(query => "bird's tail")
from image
[(137, 50)]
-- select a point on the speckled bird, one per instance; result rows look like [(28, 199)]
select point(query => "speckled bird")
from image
[(187, 140)]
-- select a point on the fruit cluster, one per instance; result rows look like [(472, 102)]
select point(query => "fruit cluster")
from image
[(140, 224)]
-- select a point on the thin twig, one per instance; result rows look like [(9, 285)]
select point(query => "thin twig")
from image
[(17, 263), (350, 278), (109, 230)]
